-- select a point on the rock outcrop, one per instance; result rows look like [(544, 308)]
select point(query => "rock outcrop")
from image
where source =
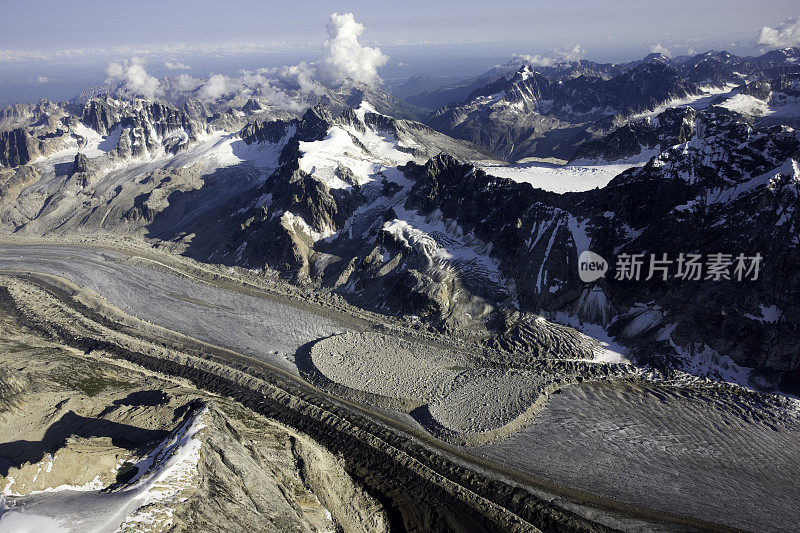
[(16, 148)]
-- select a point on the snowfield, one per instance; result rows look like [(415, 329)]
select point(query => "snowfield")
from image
[(324, 159), (777, 106), (574, 177), (702, 100)]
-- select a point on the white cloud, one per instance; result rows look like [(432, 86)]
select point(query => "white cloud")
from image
[(249, 84), (556, 56), (187, 83), (216, 87), (303, 76), (279, 99), (176, 65), (660, 49), (344, 57), (12, 56), (134, 78), (575, 53), (785, 34), (159, 51), (42, 79)]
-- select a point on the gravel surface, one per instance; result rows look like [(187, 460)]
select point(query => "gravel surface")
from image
[(388, 366), (665, 450), (258, 327), (487, 399), (454, 395)]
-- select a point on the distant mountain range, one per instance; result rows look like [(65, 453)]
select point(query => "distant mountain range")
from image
[(551, 111)]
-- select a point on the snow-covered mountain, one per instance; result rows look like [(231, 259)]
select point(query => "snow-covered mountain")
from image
[(342, 191), (551, 111)]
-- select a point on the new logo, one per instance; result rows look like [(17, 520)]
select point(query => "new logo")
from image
[(591, 266)]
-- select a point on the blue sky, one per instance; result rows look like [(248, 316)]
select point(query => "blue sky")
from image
[(619, 26), (47, 45)]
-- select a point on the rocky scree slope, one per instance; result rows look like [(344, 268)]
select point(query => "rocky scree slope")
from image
[(94, 444)]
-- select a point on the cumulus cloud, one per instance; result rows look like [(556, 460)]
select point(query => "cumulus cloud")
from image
[(575, 53), (280, 100), (660, 49), (134, 78), (248, 84), (785, 34), (344, 57), (556, 56), (187, 83), (176, 65), (302, 76), (216, 87), (42, 79)]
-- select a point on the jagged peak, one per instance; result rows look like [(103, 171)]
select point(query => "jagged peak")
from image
[(443, 162), (80, 164), (655, 57), (317, 113)]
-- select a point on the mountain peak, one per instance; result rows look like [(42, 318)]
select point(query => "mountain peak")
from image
[(655, 57)]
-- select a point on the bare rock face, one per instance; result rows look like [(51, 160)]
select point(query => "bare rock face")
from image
[(264, 131), (79, 462), (71, 422), (269, 473), (674, 126), (355, 509), (418, 293), (11, 183), (531, 113), (551, 111), (98, 115), (16, 148), (81, 164)]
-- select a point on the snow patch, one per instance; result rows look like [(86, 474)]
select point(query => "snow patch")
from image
[(701, 100), (166, 472), (325, 159), (144, 502), (444, 244), (769, 314), (704, 361), (575, 177), (608, 350), (298, 222)]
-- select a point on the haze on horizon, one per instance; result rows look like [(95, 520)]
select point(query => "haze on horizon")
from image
[(53, 49)]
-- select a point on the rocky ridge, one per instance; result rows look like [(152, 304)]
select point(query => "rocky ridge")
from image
[(392, 215), (553, 111)]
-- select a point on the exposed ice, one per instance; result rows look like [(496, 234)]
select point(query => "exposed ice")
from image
[(769, 314)]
